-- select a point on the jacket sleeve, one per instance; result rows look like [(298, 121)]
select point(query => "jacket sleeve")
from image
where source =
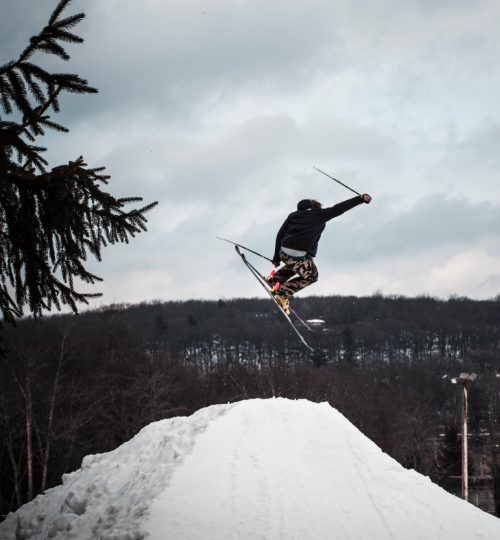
[(279, 238), (340, 208)]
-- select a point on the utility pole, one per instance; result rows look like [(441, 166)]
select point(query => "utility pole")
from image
[(464, 379)]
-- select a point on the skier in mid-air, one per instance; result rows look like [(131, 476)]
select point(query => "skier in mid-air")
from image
[(297, 244)]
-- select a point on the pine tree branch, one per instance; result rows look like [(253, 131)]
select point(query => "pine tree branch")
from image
[(58, 10), (74, 217), (43, 39), (38, 112), (50, 220)]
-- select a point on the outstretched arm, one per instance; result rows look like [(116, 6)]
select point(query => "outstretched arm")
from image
[(340, 208)]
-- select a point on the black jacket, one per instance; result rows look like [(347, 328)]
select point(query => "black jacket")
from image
[(302, 229)]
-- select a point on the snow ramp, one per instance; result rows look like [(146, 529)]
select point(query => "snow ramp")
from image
[(256, 469)]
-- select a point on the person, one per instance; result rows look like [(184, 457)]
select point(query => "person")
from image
[(297, 244)]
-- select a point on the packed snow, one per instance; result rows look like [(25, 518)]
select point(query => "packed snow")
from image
[(256, 469)]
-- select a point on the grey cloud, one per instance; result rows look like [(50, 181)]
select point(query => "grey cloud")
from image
[(19, 20), (175, 58), (490, 282), (170, 57), (260, 143), (434, 221)]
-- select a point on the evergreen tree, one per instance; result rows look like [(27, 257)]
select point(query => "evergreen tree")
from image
[(50, 218)]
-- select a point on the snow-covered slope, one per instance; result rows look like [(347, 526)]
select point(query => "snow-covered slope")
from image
[(255, 469)]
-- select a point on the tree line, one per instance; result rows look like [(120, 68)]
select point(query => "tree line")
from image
[(71, 385)]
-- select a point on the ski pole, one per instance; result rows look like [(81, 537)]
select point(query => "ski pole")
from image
[(341, 183), (243, 247)]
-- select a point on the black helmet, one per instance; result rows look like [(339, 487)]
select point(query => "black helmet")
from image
[(305, 204)]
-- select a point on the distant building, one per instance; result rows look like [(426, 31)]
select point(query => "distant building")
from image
[(316, 322)]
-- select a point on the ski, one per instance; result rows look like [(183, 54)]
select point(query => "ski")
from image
[(302, 322), (263, 280), (263, 283)]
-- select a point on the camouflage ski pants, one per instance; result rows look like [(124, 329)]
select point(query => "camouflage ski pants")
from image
[(305, 268)]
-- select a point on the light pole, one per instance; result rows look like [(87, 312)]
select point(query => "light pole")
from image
[(464, 379)]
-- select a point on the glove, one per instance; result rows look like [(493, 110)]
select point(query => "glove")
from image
[(366, 198)]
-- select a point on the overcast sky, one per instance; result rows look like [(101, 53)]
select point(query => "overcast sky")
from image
[(220, 109)]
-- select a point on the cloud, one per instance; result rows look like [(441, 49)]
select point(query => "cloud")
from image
[(19, 20), (468, 271), (435, 221), (436, 272), (220, 111)]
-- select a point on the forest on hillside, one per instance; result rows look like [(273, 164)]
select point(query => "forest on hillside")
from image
[(72, 385)]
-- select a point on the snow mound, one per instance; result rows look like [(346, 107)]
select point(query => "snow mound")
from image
[(109, 496), (255, 469)]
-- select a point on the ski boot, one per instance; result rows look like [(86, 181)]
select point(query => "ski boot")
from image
[(271, 281), (283, 302)]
